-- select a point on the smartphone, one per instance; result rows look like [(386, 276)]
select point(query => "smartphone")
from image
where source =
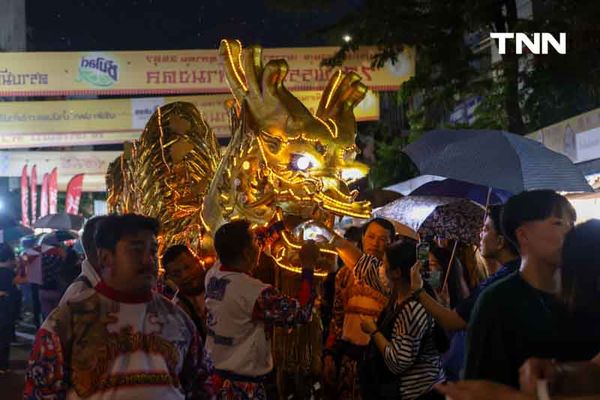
[(423, 257), (310, 230)]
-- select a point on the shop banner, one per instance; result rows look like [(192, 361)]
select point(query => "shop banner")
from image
[(73, 194), (44, 197), (33, 194), (24, 141), (93, 122), (177, 71), (69, 162), (53, 192), (93, 164), (578, 138), (24, 197)]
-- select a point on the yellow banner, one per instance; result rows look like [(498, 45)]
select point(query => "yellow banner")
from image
[(23, 141), (177, 71), (91, 122)]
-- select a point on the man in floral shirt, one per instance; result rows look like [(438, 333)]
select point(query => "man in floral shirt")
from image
[(119, 339)]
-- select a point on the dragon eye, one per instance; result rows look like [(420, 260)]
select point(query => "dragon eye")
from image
[(302, 162)]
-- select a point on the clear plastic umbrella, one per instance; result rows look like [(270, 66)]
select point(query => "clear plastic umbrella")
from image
[(433, 216)]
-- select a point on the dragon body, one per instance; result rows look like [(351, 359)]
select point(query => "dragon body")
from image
[(283, 163)]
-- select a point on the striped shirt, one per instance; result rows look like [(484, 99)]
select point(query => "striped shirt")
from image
[(411, 353)]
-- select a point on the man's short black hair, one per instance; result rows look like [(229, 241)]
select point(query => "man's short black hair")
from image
[(494, 213), (112, 228), (382, 222), (534, 205), (231, 239), (173, 252), (89, 231)]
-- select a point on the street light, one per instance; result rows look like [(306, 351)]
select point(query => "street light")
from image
[(347, 38)]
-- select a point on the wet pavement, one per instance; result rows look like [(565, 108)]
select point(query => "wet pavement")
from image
[(12, 382)]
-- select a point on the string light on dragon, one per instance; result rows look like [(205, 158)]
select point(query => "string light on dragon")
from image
[(283, 160)]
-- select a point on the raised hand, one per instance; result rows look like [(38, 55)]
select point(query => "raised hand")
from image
[(416, 280)]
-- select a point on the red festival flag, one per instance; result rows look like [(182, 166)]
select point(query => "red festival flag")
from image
[(24, 197), (53, 192), (33, 194), (44, 197), (73, 194)]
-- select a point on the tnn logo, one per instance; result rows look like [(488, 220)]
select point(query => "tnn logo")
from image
[(539, 44)]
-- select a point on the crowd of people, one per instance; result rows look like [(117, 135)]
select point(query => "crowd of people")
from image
[(522, 324)]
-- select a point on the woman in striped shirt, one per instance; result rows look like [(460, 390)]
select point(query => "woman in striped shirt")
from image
[(405, 334)]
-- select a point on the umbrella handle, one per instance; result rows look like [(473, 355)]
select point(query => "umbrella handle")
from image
[(487, 202), (450, 264)]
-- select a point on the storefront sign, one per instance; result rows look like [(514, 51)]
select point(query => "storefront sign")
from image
[(177, 71), (93, 122), (578, 138)]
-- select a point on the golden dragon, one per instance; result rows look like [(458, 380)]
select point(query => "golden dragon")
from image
[(283, 163)]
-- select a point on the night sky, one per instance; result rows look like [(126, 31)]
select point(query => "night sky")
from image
[(79, 25)]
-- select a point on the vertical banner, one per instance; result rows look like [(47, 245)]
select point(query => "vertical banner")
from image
[(73, 194), (44, 197), (33, 194), (24, 197), (53, 192)]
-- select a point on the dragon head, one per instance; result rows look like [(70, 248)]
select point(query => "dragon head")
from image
[(286, 163)]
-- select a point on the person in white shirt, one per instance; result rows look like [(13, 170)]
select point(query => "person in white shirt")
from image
[(240, 310), (90, 269)]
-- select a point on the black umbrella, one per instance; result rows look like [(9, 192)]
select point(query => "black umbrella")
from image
[(464, 190), (57, 237), (495, 159), (66, 222)]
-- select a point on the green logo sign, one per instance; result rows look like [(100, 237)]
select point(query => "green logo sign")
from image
[(98, 71)]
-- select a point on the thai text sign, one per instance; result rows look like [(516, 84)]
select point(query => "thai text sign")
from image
[(90, 122), (177, 71)]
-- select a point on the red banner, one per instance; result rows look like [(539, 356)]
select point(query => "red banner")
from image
[(53, 192), (73, 194), (24, 197), (44, 197), (33, 194)]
